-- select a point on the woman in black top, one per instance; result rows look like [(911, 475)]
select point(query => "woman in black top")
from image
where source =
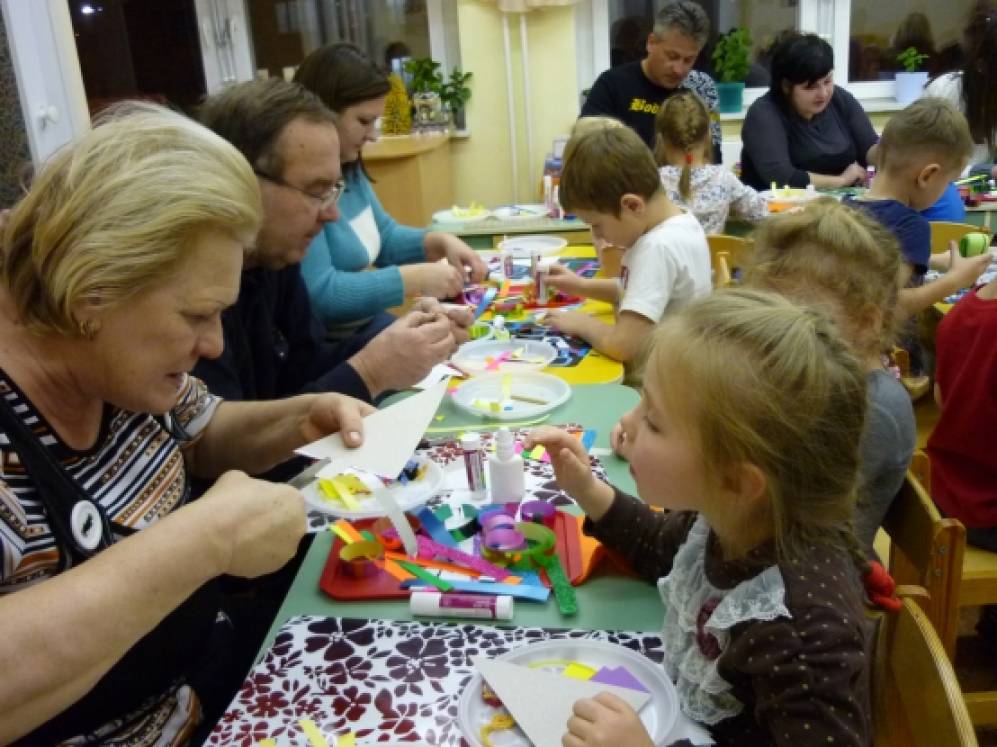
[(805, 130)]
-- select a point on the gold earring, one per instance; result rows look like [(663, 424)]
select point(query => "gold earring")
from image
[(88, 329)]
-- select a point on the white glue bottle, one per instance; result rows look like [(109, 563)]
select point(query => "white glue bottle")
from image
[(498, 325), (506, 478)]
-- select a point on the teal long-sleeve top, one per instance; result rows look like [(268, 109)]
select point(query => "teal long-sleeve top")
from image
[(335, 269)]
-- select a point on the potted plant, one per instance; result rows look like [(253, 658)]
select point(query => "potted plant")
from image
[(731, 61), (455, 95), (911, 82), (427, 84)]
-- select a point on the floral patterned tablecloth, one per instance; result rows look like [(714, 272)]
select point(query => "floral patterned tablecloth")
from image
[(387, 682)]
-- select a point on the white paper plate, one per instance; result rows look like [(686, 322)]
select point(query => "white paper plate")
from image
[(658, 715), (546, 245), (408, 496), (473, 356), (520, 212), (553, 391), (447, 216)]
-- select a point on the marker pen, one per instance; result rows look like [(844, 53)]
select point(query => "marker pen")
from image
[(482, 606)]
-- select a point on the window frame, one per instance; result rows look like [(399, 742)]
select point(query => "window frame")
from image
[(830, 19)]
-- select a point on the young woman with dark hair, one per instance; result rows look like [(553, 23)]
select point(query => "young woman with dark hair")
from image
[(805, 130)]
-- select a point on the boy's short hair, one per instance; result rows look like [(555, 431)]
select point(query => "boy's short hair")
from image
[(588, 124), (600, 166), (930, 129)]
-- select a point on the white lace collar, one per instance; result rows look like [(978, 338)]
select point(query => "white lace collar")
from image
[(703, 694)]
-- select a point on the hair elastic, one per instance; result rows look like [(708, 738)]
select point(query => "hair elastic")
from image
[(688, 159)]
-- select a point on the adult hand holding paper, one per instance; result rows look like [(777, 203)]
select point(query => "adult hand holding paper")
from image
[(390, 438)]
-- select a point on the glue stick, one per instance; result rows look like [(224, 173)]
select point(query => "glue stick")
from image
[(482, 606), (474, 463)]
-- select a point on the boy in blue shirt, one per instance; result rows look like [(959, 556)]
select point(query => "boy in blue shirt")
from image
[(923, 148)]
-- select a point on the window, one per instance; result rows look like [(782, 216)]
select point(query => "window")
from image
[(879, 30), (862, 33), (284, 31)]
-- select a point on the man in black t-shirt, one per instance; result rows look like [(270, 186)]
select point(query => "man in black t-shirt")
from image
[(634, 92)]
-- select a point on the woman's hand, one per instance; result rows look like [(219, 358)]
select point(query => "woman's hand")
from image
[(436, 279), (605, 721), (852, 175), (560, 277), (457, 253), (332, 413), (571, 469), (259, 523)]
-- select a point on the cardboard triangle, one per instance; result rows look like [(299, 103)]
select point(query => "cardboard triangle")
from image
[(390, 437), (541, 701)]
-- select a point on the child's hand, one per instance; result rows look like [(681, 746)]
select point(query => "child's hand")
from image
[(572, 470), (605, 721), (967, 269), (560, 277), (568, 322)]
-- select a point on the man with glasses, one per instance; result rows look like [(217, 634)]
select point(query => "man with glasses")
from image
[(633, 92), (274, 347)]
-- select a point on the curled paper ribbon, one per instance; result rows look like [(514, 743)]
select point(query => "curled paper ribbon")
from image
[(499, 722), (539, 512), (360, 558), (504, 539), (540, 542), (461, 521)]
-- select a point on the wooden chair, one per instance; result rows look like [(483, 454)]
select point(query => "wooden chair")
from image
[(735, 247), (943, 231), (722, 277), (926, 550), (916, 697), (930, 551)]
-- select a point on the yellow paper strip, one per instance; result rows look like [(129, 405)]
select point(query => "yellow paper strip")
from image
[(341, 533), (315, 738), (345, 494), (347, 740), (267, 743), (578, 671), (329, 491)]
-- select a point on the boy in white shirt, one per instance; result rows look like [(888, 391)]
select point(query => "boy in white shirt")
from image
[(611, 182)]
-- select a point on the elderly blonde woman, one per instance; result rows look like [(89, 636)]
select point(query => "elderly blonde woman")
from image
[(114, 270)]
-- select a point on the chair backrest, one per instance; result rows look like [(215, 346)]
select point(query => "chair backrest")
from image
[(735, 247), (916, 697), (927, 550), (943, 231), (722, 277)]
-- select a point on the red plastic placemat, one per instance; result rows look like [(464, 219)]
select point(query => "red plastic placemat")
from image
[(342, 586)]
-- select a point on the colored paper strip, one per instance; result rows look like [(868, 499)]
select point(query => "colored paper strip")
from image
[(315, 738), (425, 575)]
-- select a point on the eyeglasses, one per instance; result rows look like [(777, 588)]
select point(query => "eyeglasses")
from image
[(325, 201)]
